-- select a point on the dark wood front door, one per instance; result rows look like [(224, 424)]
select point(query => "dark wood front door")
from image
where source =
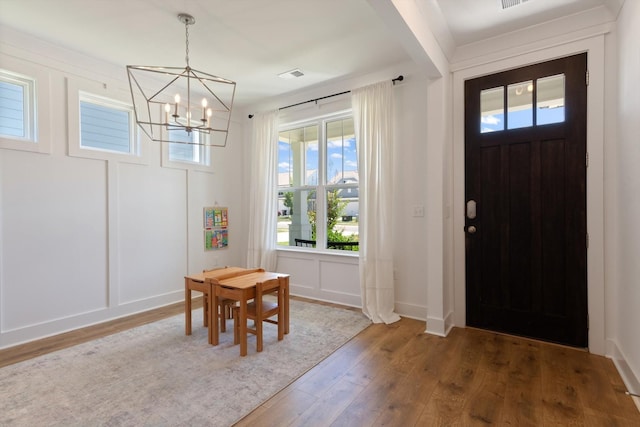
[(525, 189)]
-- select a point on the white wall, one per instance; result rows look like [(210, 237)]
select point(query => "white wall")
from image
[(624, 213), (84, 240), (415, 25), (335, 277)]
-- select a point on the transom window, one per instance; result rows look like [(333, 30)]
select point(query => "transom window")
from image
[(528, 103), (318, 201), (188, 150), (106, 125), (17, 106)]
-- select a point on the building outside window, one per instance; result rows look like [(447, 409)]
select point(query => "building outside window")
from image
[(188, 149), (106, 125), (318, 200), (17, 107)]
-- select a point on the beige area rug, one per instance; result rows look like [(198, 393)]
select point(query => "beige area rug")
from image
[(154, 375)]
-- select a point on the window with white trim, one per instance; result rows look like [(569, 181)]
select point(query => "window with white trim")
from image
[(318, 201), (188, 150), (17, 107), (106, 125)]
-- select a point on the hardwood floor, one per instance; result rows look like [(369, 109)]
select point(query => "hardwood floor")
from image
[(397, 375)]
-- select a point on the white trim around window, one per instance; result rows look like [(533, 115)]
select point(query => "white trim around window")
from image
[(177, 156), (315, 181), (189, 155), (35, 84), (88, 93)]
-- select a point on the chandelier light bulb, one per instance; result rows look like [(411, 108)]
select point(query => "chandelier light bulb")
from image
[(177, 99), (204, 109)]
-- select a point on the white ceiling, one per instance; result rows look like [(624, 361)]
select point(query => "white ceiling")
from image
[(251, 41), (473, 20)]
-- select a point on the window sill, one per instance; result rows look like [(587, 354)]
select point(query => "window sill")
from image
[(314, 251)]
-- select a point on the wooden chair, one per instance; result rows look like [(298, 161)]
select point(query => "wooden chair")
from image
[(260, 311), (225, 307)]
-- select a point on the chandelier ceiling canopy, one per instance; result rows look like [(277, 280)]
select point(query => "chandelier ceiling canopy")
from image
[(182, 105)]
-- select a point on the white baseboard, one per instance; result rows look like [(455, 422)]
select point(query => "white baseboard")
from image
[(412, 311), (631, 379), (80, 320), (436, 326)]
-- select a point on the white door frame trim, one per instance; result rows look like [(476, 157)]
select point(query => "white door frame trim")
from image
[(594, 46)]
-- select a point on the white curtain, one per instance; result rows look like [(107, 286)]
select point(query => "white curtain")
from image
[(263, 207), (373, 117)]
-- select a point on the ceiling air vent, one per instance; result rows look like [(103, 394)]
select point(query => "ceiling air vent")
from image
[(506, 4), (291, 74)]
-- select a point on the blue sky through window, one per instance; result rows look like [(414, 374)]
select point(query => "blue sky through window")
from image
[(341, 157), (521, 118)]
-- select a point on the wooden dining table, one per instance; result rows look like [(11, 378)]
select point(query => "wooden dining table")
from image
[(234, 283), (242, 288)]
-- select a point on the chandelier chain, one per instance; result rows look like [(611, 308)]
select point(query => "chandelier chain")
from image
[(186, 31)]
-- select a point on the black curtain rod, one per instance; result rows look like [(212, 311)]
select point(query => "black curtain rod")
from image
[(397, 79)]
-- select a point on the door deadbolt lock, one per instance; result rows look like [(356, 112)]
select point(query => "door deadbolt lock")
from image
[(471, 229)]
